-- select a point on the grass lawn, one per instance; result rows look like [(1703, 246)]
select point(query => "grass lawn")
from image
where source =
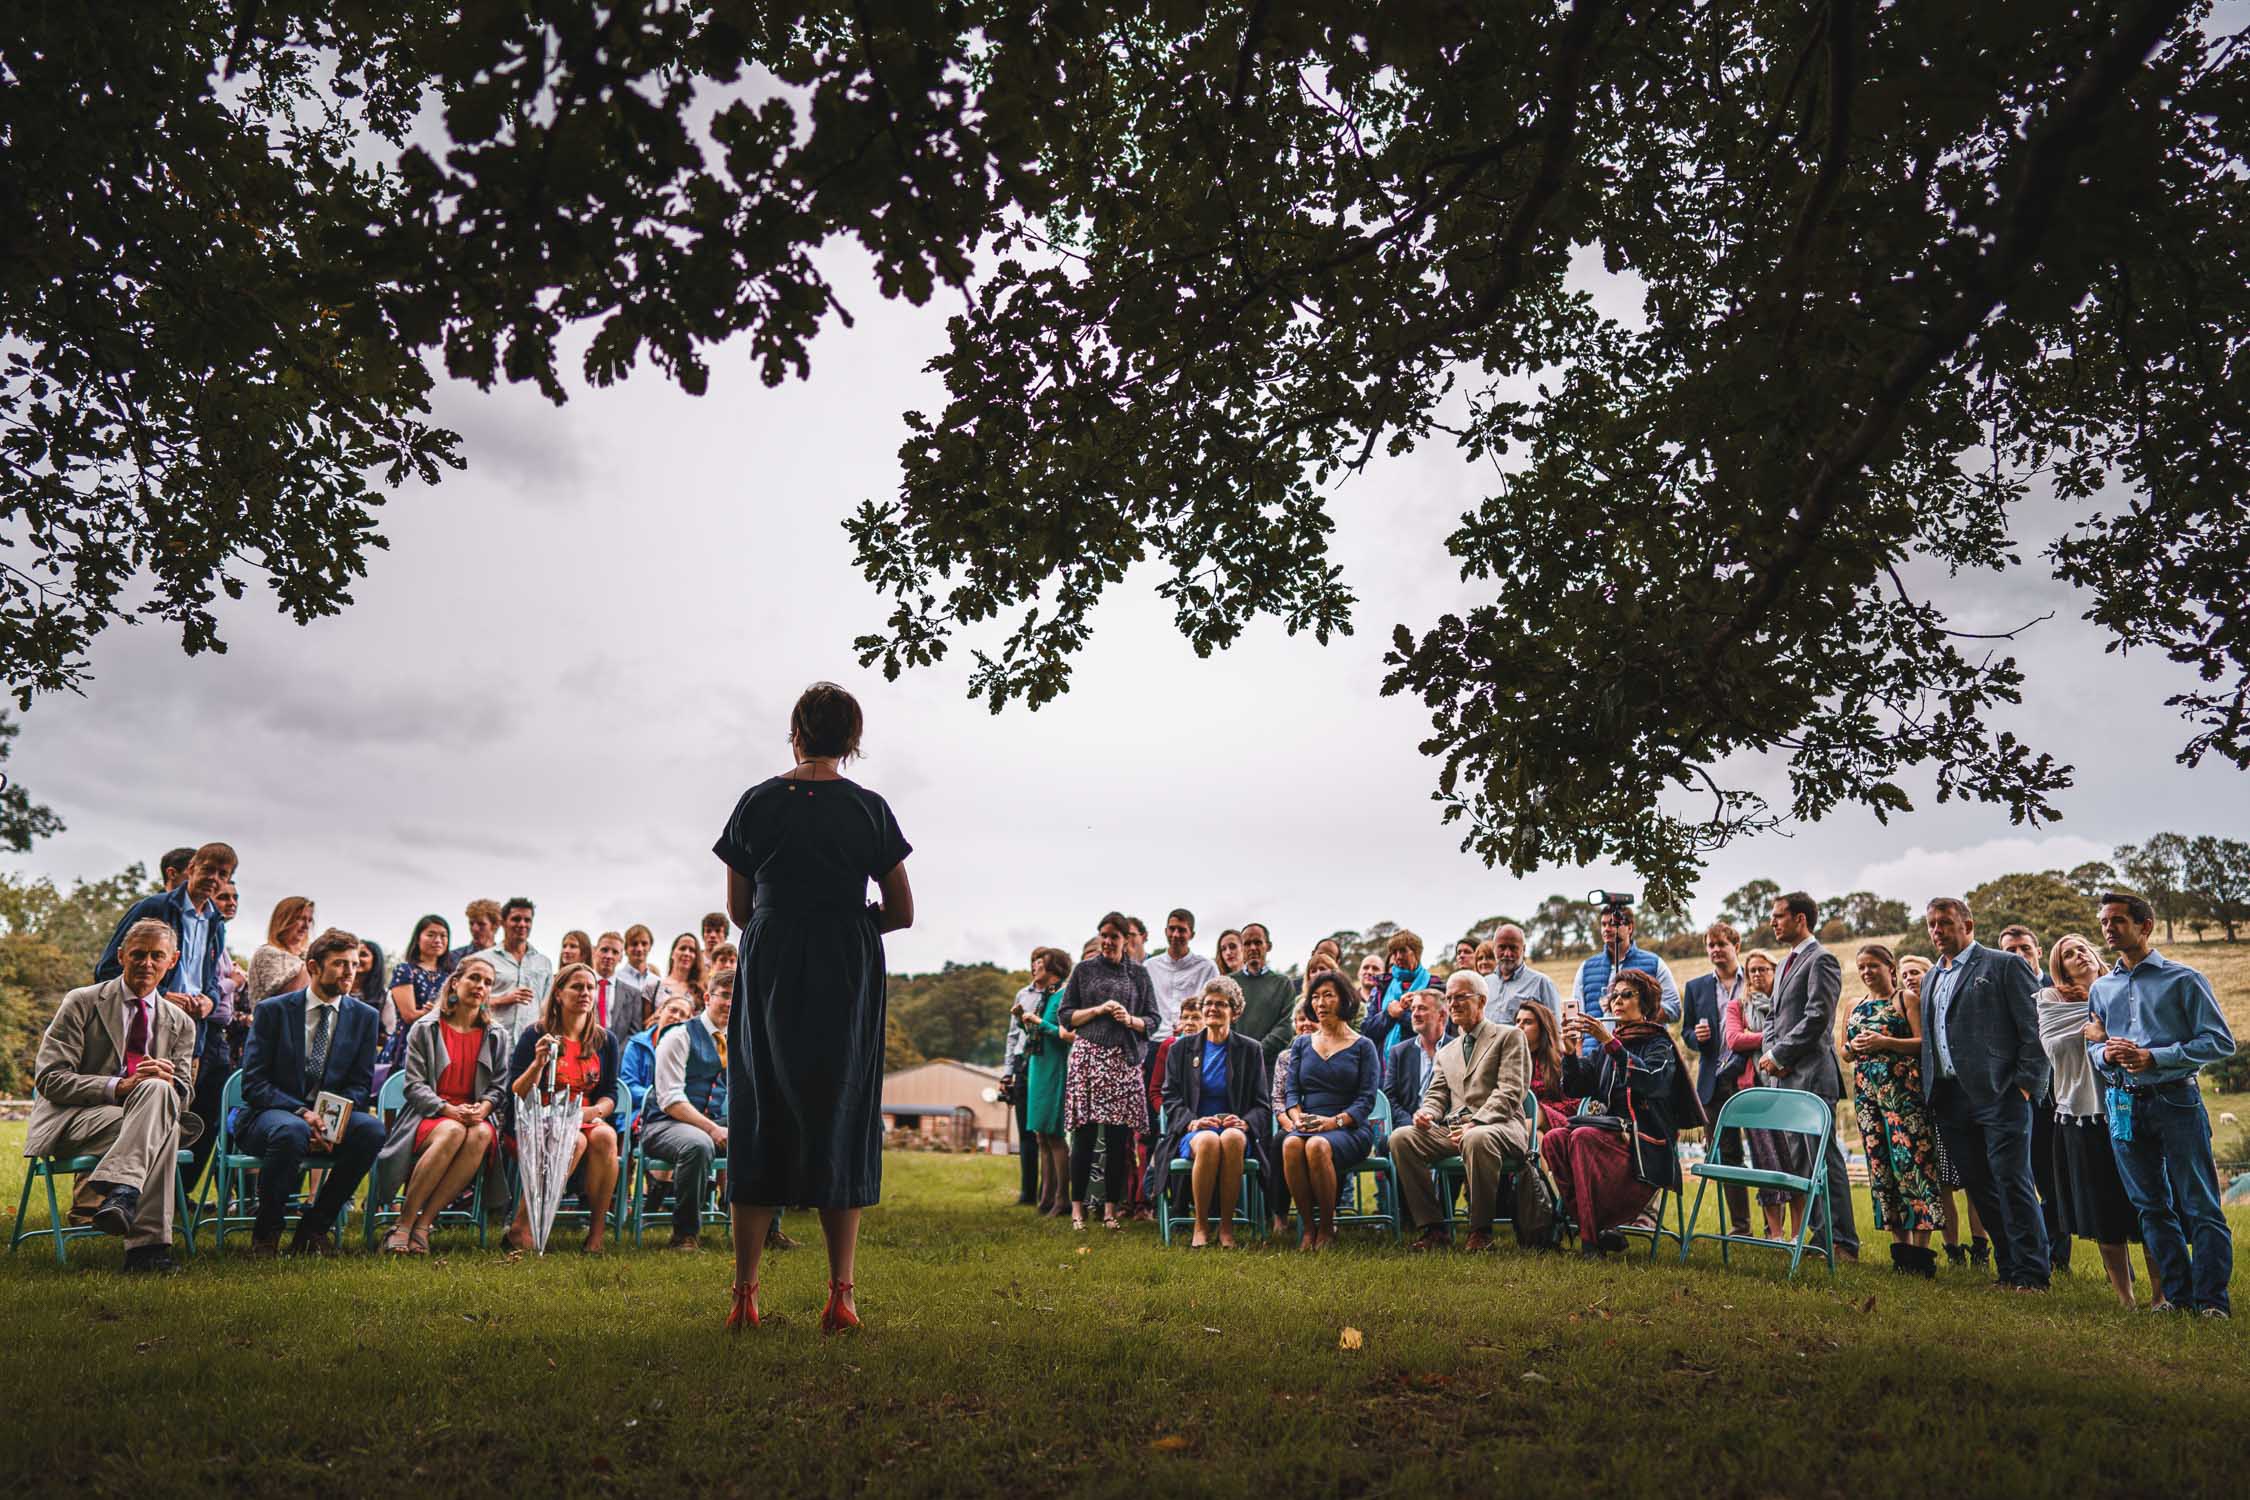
[(1009, 1356)]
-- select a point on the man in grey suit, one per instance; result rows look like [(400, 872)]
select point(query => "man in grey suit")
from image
[(1801, 1048), (115, 1071), (625, 999), (1473, 1107), (1982, 1065)]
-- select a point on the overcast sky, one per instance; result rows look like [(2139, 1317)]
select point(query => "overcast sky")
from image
[(576, 655)]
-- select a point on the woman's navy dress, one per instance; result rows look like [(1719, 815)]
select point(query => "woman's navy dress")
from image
[(805, 1042), (1343, 1084)]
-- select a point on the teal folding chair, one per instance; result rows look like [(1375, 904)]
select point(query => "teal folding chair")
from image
[(1378, 1164), (1787, 1112), (711, 1210), (1249, 1207), (230, 1173), (381, 1215), (42, 1169)]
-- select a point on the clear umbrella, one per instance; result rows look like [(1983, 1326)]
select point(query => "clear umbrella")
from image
[(546, 1134)]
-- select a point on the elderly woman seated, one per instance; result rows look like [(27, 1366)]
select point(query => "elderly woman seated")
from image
[(1612, 1160), (456, 1080), (1216, 1111)]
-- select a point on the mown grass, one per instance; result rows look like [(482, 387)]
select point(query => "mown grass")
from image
[(1007, 1356)]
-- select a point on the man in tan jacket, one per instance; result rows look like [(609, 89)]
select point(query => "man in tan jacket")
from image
[(115, 1072), (1472, 1108)]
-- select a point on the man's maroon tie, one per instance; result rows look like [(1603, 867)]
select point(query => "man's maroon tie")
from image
[(136, 1037)]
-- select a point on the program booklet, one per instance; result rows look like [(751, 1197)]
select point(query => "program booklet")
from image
[(335, 1113)]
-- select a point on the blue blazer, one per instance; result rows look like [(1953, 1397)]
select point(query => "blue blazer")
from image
[(1699, 1001), (1992, 1024), (273, 1062), (1406, 1077), (170, 908)]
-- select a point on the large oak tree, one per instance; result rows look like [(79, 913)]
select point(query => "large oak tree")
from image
[(1901, 262)]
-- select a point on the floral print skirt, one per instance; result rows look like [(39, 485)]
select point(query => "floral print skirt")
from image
[(1103, 1087)]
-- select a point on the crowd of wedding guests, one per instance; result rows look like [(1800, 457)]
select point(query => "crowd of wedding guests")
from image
[(136, 1067), (2055, 1089)]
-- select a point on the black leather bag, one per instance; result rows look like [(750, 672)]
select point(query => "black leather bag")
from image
[(1538, 1216)]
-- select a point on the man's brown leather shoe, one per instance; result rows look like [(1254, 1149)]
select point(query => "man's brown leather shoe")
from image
[(322, 1244), (1479, 1239), (1432, 1239)]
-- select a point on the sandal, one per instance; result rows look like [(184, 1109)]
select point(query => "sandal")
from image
[(836, 1317), (400, 1242), (744, 1313), (418, 1243)]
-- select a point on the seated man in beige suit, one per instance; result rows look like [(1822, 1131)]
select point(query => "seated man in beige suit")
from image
[(1472, 1108), (115, 1072)]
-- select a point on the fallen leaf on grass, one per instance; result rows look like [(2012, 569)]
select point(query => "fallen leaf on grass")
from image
[(599, 1464), (1085, 1250), (1350, 1338), (1171, 1442), (1534, 1375), (1869, 1305), (1207, 1328)]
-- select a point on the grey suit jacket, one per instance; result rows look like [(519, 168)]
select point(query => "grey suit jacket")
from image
[(1490, 1088), (629, 1005), (83, 1051), (425, 1061), (1802, 1035)]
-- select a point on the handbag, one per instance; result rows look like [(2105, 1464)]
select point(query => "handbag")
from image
[(1538, 1215)]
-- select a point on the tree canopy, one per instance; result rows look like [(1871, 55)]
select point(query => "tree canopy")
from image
[(1897, 264)]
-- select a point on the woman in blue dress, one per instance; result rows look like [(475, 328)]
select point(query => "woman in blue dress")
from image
[(1329, 1094), (805, 1042)]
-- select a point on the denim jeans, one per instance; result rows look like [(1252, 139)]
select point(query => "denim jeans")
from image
[(2171, 1179), (1992, 1148)]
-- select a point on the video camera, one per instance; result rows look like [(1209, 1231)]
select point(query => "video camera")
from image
[(1619, 902)]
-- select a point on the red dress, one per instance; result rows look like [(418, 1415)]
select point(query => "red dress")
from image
[(457, 1084), (577, 1071)]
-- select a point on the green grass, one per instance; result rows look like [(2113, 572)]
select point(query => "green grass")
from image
[(1009, 1356)]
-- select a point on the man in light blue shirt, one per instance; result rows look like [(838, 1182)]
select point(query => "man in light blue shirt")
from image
[(1513, 981), (2155, 1025)]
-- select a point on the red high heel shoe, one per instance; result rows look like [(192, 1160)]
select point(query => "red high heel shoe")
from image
[(744, 1313), (836, 1317)]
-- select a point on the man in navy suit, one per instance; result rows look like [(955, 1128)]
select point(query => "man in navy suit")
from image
[(1412, 1061), (320, 1038), (1983, 1065)]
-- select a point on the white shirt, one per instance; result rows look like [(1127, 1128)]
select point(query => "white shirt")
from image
[(1177, 980), (668, 1084), (535, 971)]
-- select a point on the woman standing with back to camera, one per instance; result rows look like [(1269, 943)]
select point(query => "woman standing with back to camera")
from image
[(805, 1042)]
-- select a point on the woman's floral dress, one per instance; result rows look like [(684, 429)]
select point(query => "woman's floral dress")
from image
[(1894, 1122)]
